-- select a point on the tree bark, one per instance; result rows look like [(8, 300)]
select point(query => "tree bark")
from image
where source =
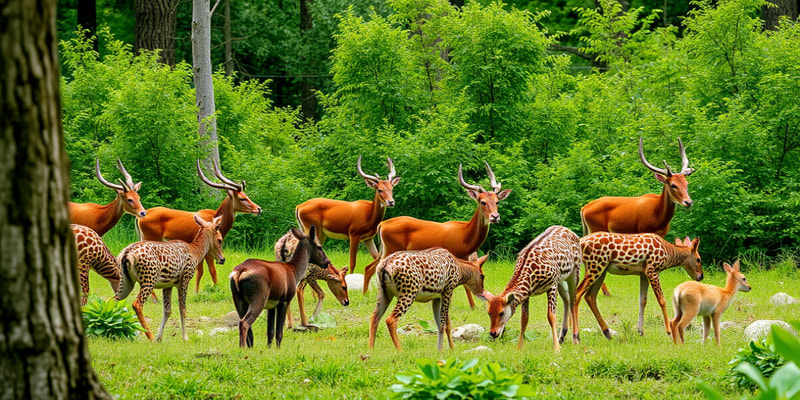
[(155, 27), (203, 80), (772, 14), (308, 101), (43, 350)]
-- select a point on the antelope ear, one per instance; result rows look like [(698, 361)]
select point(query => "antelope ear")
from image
[(482, 260), (299, 234), (509, 298), (485, 296), (230, 193), (217, 221), (679, 242), (727, 267), (695, 243), (198, 220), (473, 194), (503, 194), (137, 186), (395, 181), (661, 178), (312, 233), (736, 265)]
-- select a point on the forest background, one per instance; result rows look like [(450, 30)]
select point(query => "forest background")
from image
[(554, 95)]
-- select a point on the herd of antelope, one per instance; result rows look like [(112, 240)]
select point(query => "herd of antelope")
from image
[(418, 261)]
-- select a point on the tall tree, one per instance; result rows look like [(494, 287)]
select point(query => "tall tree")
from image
[(775, 9), (155, 27), (204, 79), (43, 351)]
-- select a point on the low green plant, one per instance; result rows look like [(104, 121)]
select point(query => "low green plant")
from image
[(453, 379), (760, 355), (110, 319)]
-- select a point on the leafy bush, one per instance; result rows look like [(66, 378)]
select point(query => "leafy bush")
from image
[(762, 356), (453, 380), (110, 319)]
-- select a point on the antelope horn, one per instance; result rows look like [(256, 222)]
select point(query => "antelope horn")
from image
[(121, 168), (392, 172), (685, 169), (103, 180), (465, 184), (231, 184), (495, 186), (125, 185), (207, 181), (650, 166), (364, 175)]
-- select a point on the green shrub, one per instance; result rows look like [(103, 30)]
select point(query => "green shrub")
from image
[(110, 319), (762, 356), (452, 379)]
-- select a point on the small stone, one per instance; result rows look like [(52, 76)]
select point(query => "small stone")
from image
[(306, 381), (782, 299), (356, 282), (588, 330), (612, 332), (479, 349), (468, 332), (218, 330), (199, 333), (231, 319), (727, 325), (204, 319), (761, 328)]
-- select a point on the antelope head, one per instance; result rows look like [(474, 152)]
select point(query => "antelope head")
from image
[(487, 201), (316, 254), (338, 286), (694, 265), (733, 273), (241, 203), (475, 284), (501, 308), (383, 187), (674, 183), (127, 191), (213, 229)]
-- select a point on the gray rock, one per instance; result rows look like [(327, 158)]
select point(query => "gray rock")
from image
[(231, 319), (782, 299), (217, 331), (468, 332), (761, 328), (727, 325), (204, 319), (479, 349)]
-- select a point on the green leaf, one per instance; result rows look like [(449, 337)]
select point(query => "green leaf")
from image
[(753, 374)]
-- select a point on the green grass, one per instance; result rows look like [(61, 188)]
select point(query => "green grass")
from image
[(336, 362)]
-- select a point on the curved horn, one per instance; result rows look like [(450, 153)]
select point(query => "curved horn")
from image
[(685, 169), (669, 171), (392, 172), (231, 184), (207, 181), (121, 168), (465, 184), (648, 165), (125, 186), (495, 186), (364, 175), (103, 180)]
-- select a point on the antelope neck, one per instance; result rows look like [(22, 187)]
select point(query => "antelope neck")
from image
[(666, 208), (226, 211), (201, 243), (109, 215), (378, 210), (477, 229), (299, 260)]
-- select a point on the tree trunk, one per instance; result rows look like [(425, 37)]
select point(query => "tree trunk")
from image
[(228, 38), (155, 27), (43, 350), (308, 100), (782, 7), (87, 18), (203, 80)]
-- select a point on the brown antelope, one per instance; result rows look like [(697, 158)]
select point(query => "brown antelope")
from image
[(165, 265), (650, 213), (259, 284), (354, 220), (460, 238), (163, 223), (423, 276), (691, 299), (101, 218), (643, 254), (284, 249), (94, 254), (550, 263)]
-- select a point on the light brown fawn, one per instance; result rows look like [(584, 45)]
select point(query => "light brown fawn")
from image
[(550, 263), (165, 265), (335, 278), (94, 254), (423, 276), (691, 299), (644, 254), (259, 284)]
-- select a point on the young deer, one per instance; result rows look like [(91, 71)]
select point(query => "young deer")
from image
[(164, 265), (550, 263), (691, 299), (422, 276), (259, 284), (284, 248), (94, 254)]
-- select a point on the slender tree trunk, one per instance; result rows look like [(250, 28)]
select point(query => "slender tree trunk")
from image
[(203, 79), (772, 15), (308, 101), (228, 38), (87, 18), (155, 27), (43, 352)]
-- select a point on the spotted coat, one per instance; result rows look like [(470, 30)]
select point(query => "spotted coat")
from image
[(94, 254), (644, 254), (548, 264), (165, 265), (422, 276)]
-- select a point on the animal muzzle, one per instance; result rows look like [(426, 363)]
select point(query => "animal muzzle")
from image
[(258, 211), (221, 261), (390, 203), (142, 213), (687, 203), (494, 218), (700, 276), (495, 334), (346, 302)]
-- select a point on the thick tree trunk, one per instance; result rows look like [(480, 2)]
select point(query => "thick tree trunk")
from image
[(43, 353), (87, 18), (226, 28), (155, 27), (308, 101), (203, 80), (782, 7)]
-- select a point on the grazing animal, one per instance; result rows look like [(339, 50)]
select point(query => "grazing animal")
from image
[(354, 220), (691, 299), (94, 254), (165, 265), (284, 248), (462, 238), (163, 223), (644, 254), (550, 263), (259, 284), (101, 218), (422, 276), (650, 213)]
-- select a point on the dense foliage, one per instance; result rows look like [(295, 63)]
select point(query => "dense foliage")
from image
[(432, 86), (762, 356), (110, 319)]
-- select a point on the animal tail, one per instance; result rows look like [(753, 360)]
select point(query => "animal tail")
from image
[(125, 262), (297, 217), (234, 277), (583, 224)]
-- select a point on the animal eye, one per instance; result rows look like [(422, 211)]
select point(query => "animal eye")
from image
[(674, 186), (501, 313), (219, 241), (483, 203), (380, 190), (130, 201), (243, 200)]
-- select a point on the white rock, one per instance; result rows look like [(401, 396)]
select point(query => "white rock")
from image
[(217, 331), (761, 328), (204, 319), (612, 332), (354, 281), (782, 299), (479, 349), (468, 332), (588, 330), (727, 325)]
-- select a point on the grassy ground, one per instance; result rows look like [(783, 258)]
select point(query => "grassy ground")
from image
[(336, 362)]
